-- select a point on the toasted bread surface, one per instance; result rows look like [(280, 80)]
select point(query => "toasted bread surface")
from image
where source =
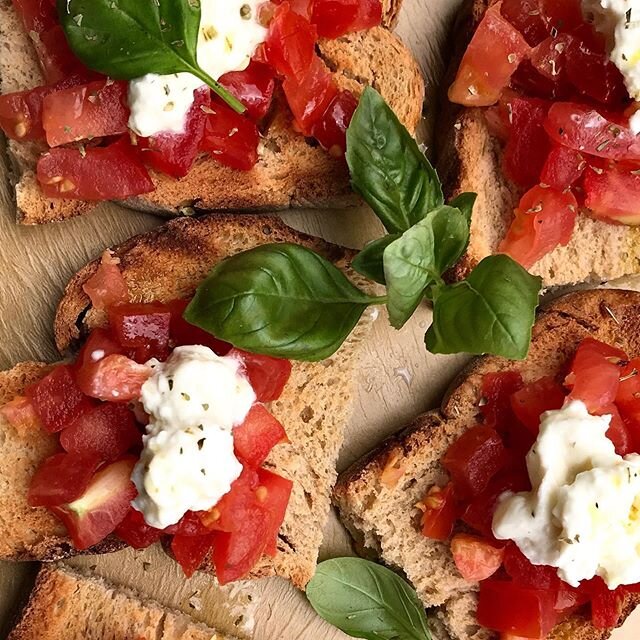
[(291, 172), (384, 518), (74, 605)]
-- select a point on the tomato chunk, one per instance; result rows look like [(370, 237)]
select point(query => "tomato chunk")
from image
[(107, 285), (254, 87), (20, 414), (98, 345), (613, 194), (475, 558), (628, 395), (439, 512), (268, 376), (57, 399), (617, 432), (493, 55), (136, 532), (334, 18), (526, 17), (530, 402), (115, 378), (331, 130), (562, 168), (183, 332), (137, 325), (97, 173), (257, 435), (190, 551), (495, 404), (273, 493), (21, 113)]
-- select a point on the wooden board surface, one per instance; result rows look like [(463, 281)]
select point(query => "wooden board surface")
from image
[(398, 378)]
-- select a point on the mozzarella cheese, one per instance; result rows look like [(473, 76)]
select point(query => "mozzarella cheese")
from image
[(619, 22), (194, 400), (582, 515), (228, 36)]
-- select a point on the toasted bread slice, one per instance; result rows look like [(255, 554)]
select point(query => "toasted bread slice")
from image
[(470, 159), (67, 603), (291, 172), (166, 264), (384, 518)]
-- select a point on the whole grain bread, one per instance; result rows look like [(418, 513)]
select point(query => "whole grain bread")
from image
[(292, 171), (383, 516), (469, 158), (166, 264), (69, 604)]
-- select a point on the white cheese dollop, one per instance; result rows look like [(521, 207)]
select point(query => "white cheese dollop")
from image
[(229, 34), (194, 400), (583, 513), (619, 22)]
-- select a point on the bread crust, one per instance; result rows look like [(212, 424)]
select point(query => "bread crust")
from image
[(610, 315)]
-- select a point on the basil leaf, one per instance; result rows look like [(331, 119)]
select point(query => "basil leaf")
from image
[(367, 600), (419, 257), (281, 300), (127, 39), (492, 311), (387, 167), (369, 261), (465, 202)]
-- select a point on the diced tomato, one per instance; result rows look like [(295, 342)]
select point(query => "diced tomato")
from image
[(493, 55), (136, 532), (175, 153), (268, 376), (191, 524), (606, 604), (302, 7), (548, 58), (369, 15), (613, 194), (98, 345), (526, 17), (273, 493), (311, 96), (495, 404), (21, 415), (331, 130), (115, 378), (141, 324), (617, 432), (290, 43), (439, 512), (231, 138), (561, 15), (583, 129), (37, 15), (107, 285), (257, 435), (254, 87), (525, 574), (628, 395), (505, 606), (108, 430), (562, 168), (544, 219), (530, 402), (594, 375), (95, 173), (90, 111), (62, 478), (57, 399), (102, 506), (527, 147), (475, 558), (334, 18), (474, 459), (56, 57), (190, 551), (183, 332)]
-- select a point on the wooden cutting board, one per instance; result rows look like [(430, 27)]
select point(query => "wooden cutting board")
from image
[(398, 378)]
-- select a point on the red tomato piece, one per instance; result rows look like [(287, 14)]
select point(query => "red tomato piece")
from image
[(527, 147), (606, 604), (36, 15), (183, 332), (136, 532), (525, 574), (303, 7), (115, 378), (369, 15), (257, 435), (62, 478), (175, 153), (190, 551), (493, 55), (507, 607), (108, 430), (617, 432), (548, 58), (334, 18), (562, 168), (254, 87), (613, 194), (95, 173), (98, 345), (268, 375), (475, 558), (497, 389), (628, 395), (526, 17), (530, 402), (331, 130), (290, 43), (107, 285), (57, 399), (544, 219), (310, 97), (139, 324), (273, 493), (102, 506), (594, 375), (230, 138), (20, 414), (439, 512), (56, 57), (561, 15)]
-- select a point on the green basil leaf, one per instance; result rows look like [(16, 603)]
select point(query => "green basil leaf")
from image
[(492, 311), (367, 600), (369, 261), (465, 202), (419, 257), (387, 167), (126, 39), (281, 300)]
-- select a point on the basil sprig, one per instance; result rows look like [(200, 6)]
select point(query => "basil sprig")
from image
[(286, 301), (367, 600), (127, 39)]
